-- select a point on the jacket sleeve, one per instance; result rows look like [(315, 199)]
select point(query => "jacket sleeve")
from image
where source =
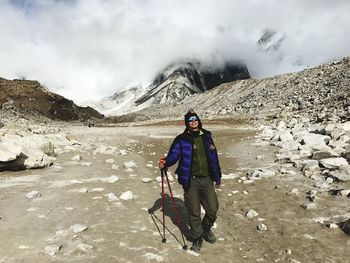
[(174, 153)]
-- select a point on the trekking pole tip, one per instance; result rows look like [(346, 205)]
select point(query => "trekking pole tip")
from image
[(184, 247), (164, 240)]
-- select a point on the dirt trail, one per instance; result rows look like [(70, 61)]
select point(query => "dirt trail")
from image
[(75, 192)]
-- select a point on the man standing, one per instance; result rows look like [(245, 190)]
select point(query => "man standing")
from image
[(197, 170)]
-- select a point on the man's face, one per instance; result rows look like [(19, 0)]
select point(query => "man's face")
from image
[(193, 122)]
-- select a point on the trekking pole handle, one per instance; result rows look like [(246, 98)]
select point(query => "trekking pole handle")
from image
[(162, 164)]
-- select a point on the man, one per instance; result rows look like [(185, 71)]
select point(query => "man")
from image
[(198, 168)]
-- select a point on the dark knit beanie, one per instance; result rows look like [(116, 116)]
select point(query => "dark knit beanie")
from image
[(191, 114)]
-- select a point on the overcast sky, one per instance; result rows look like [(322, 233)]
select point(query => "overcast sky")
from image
[(88, 49)]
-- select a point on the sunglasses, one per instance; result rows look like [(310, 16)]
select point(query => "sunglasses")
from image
[(192, 118)]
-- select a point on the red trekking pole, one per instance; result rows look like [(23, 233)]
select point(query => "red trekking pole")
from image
[(177, 217)]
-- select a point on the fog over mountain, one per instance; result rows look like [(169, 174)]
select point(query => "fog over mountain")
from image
[(89, 49)]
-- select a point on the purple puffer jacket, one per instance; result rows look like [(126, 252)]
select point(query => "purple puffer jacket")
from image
[(181, 150)]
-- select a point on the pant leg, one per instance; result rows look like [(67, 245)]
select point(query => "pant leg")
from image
[(210, 203), (193, 204)]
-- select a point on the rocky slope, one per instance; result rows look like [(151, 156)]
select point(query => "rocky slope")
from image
[(318, 94), (30, 97)]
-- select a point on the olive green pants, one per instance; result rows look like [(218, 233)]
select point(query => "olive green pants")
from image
[(201, 192)]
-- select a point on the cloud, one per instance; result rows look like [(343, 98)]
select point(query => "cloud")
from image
[(88, 49)]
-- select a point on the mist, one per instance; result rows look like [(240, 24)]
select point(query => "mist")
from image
[(89, 49)]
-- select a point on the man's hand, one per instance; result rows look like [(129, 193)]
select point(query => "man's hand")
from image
[(162, 163), (217, 185)]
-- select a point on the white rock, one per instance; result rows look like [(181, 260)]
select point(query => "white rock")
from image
[(52, 250), (9, 151), (112, 197), (332, 226), (343, 174), (151, 257), (76, 158), (346, 126), (77, 228), (322, 185), (309, 206), (229, 176), (62, 233), (294, 191), (128, 195), (146, 180), (109, 161), (85, 164), (123, 152), (84, 247), (315, 139), (149, 165), (130, 164), (307, 236), (344, 192), (333, 163), (329, 180), (159, 179), (285, 136), (260, 157), (32, 209), (262, 227), (23, 247), (33, 194), (115, 167), (281, 125), (251, 213), (76, 182), (111, 179), (99, 189)]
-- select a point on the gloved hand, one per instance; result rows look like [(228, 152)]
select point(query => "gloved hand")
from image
[(162, 163)]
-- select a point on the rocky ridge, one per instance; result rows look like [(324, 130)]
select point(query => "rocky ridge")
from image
[(313, 95), (30, 97)]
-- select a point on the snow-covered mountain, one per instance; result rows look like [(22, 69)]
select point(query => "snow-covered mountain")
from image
[(171, 86), (178, 81), (121, 102)]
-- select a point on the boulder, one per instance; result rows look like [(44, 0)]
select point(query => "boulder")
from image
[(333, 163), (285, 136), (9, 151), (345, 226), (251, 213), (336, 133), (315, 140), (318, 155), (346, 155), (343, 174), (262, 227), (52, 250), (77, 228), (346, 126)]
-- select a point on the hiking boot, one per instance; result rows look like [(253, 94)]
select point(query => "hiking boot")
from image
[(197, 245), (209, 236)]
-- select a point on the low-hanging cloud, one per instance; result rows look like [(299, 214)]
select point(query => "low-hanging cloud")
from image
[(88, 49)]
